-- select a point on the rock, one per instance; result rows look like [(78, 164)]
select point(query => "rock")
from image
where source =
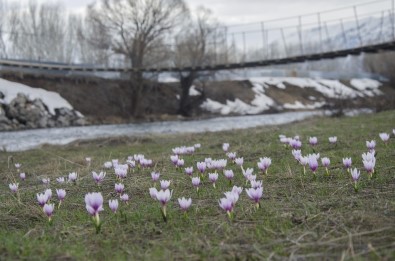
[(80, 122), (23, 113), (30, 113), (62, 121)]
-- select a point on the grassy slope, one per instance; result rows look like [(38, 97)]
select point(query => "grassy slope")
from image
[(300, 216)]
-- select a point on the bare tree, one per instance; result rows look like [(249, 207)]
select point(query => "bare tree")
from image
[(201, 43), (3, 12), (135, 28), (38, 32)]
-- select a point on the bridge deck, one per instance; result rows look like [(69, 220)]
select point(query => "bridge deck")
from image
[(288, 60)]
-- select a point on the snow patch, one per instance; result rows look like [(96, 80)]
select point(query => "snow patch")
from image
[(193, 91), (260, 104), (167, 78), (368, 87), (297, 105), (51, 99)]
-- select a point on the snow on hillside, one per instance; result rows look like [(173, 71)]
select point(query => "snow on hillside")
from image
[(51, 99), (262, 102)]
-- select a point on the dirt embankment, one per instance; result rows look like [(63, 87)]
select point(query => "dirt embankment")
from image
[(108, 101)]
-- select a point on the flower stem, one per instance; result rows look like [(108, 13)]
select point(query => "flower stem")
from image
[(163, 211)]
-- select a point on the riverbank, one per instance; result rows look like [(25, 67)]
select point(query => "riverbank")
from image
[(108, 101)]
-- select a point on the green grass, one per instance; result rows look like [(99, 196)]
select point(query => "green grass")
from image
[(300, 217)]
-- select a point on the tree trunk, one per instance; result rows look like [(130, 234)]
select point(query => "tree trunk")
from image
[(185, 84), (136, 84)]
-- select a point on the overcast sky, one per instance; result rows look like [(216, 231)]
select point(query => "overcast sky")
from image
[(246, 11)]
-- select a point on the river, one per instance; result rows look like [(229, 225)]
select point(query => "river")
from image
[(29, 139)]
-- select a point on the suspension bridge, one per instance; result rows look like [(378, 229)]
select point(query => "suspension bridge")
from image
[(330, 34)]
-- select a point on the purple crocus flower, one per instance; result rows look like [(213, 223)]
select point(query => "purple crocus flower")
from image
[(119, 187), (237, 189), (384, 137), (213, 177), (174, 159), (296, 144), (60, 180), (313, 141), (297, 154), (227, 205), (107, 165), (131, 163), (73, 177), (121, 172), (347, 163), (333, 140), (113, 204), (42, 199), (225, 147), (164, 196), (180, 163), (98, 177), (61, 194), (256, 183), (247, 172), (371, 145), (201, 166), (229, 174), (184, 203), (189, 171), (153, 192), (231, 155), (355, 174), (369, 166), (325, 162), (369, 156), (48, 193), (164, 184), (124, 197), (155, 176), (196, 182), (146, 163), (114, 162), (313, 164), (264, 164), (22, 175), (48, 210), (94, 203), (255, 194), (239, 161), (233, 196)]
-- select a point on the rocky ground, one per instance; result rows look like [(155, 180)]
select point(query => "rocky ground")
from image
[(108, 101)]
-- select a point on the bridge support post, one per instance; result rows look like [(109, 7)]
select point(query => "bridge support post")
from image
[(300, 36), (319, 30), (244, 47), (358, 28), (285, 43), (344, 33), (393, 19), (263, 39)]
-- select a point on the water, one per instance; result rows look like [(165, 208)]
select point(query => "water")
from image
[(29, 139)]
